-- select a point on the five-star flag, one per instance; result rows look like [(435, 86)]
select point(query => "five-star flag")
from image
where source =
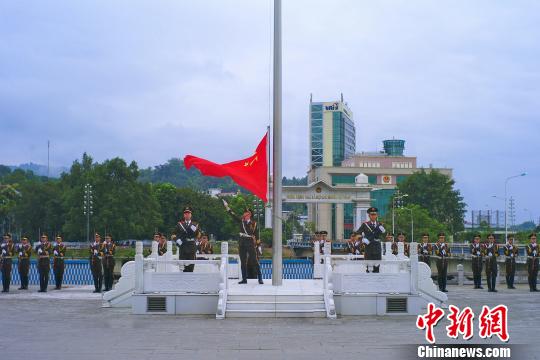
[(250, 173)]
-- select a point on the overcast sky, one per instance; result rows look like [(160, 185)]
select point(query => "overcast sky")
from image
[(151, 80)]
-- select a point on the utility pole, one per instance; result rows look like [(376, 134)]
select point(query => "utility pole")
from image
[(48, 158)]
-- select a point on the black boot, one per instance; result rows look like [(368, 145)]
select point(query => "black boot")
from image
[(244, 281)]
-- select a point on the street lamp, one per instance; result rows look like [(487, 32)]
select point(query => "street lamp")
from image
[(88, 207), (398, 198), (258, 208), (506, 202)]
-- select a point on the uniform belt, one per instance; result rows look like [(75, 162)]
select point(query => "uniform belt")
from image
[(245, 235), (7, 257), (44, 256), (189, 239), (109, 255), (532, 257)]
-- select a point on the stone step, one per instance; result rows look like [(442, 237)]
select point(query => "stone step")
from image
[(276, 305), (274, 314), (274, 298)]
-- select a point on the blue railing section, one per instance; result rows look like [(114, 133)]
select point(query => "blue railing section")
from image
[(77, 272)]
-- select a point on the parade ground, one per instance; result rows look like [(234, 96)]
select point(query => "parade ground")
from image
[(71, 324)]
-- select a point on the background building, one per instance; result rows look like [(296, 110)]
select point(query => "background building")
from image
[(384, 170), (332, 133)]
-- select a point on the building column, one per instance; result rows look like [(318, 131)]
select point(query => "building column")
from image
[(324, 217), (360, 215), (340, 219)]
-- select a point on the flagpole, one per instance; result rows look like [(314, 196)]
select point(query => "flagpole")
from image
[(277, 154)]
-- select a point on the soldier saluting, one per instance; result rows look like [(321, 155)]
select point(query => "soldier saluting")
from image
[(96, 254), (491, 251), (510, 254), (532, 261), (25, 251), (43, 251), (59, 251), (372, 231), (8, 249), (187, 231), (247, 243), (425, 249), (162, 243), (476, 254), (442, 252)]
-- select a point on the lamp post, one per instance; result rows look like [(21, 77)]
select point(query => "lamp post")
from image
[(88, 207), (258, 208), (398, 198), (506, 202)]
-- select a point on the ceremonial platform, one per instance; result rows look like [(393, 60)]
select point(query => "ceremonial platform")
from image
[(341, 285)]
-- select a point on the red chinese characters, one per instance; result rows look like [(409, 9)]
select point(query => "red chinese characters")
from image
[(460, 322), (494, 322), (428, 321)]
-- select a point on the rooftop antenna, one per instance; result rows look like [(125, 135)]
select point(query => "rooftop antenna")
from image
[(341, 97)]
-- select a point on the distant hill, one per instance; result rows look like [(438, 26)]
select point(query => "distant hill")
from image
[(41, 170)]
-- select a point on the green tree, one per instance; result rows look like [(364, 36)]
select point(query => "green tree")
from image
[(435, 192), (423, 222)]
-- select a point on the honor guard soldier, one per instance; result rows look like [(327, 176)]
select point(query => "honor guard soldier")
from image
[(510, 254), (476, 254), (442, 252), (109, 250), (162, 243), (372, 232), (59, 251), (7, 252), (324, 239), (247, 243), (44, 250), (401, 238), (96, 255), (204, 246), (353, 244), (25, 251), (187, 232), (532, 261), (491, 252), (425, 249), (315, 244)]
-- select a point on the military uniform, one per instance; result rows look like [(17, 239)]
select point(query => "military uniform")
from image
[(7, 252), (96, 255), (109, 250), (491, 253), (247, 245), (510, 253), (372, 232), (532, 265), (425, 250), (59, 251), (43, 251), (476, 254), (441, 252), (206, 248), (24, 252), (187, 232), (162, 248), (406, 248)]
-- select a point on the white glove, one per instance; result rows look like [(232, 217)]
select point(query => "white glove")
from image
[(510, 247), (179, 242), (490, 254), (4, 252), (193, 227), (443, 252), (20, 253), (533, 245), (382, 228), (534, 253), (55, 252), (511, 254), (95, 252), (260, 249), (40, 251), (365, 241)]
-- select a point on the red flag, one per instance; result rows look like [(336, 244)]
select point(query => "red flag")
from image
[(250, 173)]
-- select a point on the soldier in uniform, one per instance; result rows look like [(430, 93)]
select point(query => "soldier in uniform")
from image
[(476, 253), (491, 252), (204, 246), (371, 232), (59, 251), (162, 243), (400, 238), (353, 244), (7, 252), (532, 261), (109, 250), (425, 249), (25, 251), (247, 243), (324, 239), (187, 232), (96, 254), (44, 250), (510, 254), (442, 252)]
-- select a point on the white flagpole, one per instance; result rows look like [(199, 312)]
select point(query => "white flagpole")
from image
[(277, 271)]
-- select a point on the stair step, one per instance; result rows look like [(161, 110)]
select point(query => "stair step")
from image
[(276, 313), (274, 298), (270, 306)]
